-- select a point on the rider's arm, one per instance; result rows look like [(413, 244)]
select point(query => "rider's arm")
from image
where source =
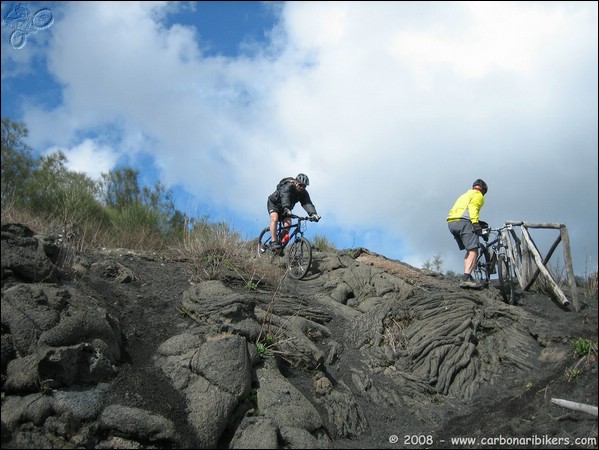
[(476, 203), (307, 203), (286, 196)]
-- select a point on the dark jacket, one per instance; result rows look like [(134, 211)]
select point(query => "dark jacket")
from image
[(286, 196)]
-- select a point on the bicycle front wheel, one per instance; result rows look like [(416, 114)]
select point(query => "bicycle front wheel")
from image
[(299, 258), (263, 241), (481, 269), (506, 281)]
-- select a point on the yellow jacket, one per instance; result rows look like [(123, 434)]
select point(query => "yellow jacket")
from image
[(467, 206)]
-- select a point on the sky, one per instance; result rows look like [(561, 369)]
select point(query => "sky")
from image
[(392, 109)]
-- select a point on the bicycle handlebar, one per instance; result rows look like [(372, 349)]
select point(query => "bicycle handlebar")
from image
[(486, 232), (505, 227), (299, 218)]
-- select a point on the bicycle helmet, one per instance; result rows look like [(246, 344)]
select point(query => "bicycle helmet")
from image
[(481, 184), (303, 179)]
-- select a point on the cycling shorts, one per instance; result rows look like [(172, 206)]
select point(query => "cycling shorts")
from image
[(463, 232)]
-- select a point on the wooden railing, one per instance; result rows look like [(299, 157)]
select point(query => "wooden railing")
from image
[(529, 263)]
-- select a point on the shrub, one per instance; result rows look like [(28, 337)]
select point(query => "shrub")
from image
[(322, 243)]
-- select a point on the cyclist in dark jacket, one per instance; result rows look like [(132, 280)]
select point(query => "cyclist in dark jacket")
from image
[(462, 221), (283, 199)]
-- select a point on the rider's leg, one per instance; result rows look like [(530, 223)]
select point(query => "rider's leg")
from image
[(274, 219), (286, 224), (470, 261), (469, 241)]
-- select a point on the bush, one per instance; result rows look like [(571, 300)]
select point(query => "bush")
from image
[(322, 243)]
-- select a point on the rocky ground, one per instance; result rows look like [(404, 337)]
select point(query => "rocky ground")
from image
[(515, 407), (512, 406)]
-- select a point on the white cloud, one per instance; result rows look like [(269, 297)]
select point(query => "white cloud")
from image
[(88, 157), (498, 36)]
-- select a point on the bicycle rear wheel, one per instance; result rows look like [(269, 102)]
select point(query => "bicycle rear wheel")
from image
[(299, 258), (481, 268), (506, 281)]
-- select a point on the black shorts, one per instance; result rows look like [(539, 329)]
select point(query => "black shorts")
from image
[(273, 207), (463, 232)]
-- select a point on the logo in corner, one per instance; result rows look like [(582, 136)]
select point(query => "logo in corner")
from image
[(24, 23)]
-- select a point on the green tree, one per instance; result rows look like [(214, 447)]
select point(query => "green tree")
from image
[(45, 181), (435, 265), (64, 196), (17, 162), (132, 206), (47, 189), (120, 189), (160, 200)]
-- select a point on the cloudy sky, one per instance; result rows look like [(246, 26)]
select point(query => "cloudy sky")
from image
[(393, 109)]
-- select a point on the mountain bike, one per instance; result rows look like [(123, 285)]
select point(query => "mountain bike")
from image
[(299, 255), (493, 257)]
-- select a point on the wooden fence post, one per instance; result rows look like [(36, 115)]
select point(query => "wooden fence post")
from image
[(539, 261), (569, 267), (528, 274)]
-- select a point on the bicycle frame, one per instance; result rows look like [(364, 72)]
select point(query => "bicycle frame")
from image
[(493, 258), (294, 230)]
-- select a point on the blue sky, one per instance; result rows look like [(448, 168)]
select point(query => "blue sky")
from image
[(393, 109)]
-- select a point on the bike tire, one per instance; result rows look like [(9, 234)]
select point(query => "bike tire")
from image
[(299, 258), (18, 39), (506, 281), (481, 268), (42, 19), (263, 241)]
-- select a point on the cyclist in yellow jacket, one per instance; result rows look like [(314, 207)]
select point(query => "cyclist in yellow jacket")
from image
[(463, 223)]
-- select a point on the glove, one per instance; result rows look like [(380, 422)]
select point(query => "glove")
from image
[(477, 229), (286, 212), (314, 217)]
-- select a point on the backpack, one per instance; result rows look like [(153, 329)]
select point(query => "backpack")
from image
[(285, 181)]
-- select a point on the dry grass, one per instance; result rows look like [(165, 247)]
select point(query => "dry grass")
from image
[(587, 282), (322, 243), (213, 250), (68, 242), (14, 215), (586, 351), (217, 252), (394, 331)]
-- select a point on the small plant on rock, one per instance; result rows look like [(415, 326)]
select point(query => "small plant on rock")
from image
[(572, 373), (265, 345), (587, 351), (582, 346), (263, 349)]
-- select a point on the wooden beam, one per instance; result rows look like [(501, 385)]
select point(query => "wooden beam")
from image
[(556, 226), (545, 261), (528, 275), (511, 249), (576, 406), (569, 268), (539, 261)]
